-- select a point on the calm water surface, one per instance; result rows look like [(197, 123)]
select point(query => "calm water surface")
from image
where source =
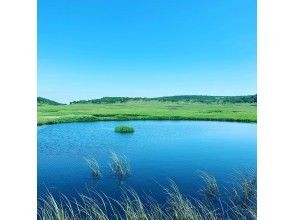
[(158, 151)]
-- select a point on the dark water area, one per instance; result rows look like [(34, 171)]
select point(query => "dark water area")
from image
[(158, 151)]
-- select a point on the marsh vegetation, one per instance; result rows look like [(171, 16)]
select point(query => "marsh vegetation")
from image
[(147, 110), (210, 185), (124, 129), (177, 206), (94, 167), (120, 167)]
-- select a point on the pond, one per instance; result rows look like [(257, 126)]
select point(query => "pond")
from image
[(158, 151)]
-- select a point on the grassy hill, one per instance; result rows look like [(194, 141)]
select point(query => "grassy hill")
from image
[(44, 101), (180, 98)]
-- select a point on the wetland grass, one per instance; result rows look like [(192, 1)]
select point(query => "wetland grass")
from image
[(133, 207), (53, 210), (147, 110), (130, 206), (124, 129), (210, 185), (180, 207), (120, 167), (94, 167), (246, 190)]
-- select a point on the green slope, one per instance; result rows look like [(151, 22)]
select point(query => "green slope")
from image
[(180, 98), (44, 101)]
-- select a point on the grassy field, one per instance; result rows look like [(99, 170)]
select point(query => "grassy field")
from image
[(146, 110)]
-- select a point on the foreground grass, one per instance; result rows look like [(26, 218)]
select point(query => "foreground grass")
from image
[(146, 110), (177, 206)]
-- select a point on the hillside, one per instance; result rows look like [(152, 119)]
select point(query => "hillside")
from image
[(180, 98), (44, 101)]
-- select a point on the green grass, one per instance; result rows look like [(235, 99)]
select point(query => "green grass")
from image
[(124, 129), (146, 110)]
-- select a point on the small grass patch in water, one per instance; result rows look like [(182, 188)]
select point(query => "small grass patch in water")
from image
[(120, 167), (124, 129), (94, 166), (211, 187)]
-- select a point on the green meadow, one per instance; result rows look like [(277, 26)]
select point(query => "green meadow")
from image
[(146, 110)]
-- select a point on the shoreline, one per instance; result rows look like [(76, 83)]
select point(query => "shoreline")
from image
[(140, 119)]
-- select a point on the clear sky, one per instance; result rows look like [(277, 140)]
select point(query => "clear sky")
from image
[(94, 48)]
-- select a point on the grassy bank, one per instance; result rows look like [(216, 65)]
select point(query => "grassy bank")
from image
[(146, 110)]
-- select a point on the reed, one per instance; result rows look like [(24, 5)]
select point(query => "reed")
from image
[(244, 196), (53, 210), (180, 207), (94, 167), (120, 167), (131, 207), (211, 188), (246, 189)]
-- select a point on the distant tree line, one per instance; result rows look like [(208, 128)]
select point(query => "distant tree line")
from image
[(180, 98)]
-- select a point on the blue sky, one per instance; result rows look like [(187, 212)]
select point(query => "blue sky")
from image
[(94, 48)]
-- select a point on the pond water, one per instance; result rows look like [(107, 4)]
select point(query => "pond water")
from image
[(158, 151)]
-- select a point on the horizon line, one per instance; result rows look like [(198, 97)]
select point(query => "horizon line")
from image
[(144, 97)]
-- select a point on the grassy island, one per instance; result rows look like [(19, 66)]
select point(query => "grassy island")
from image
[(124, 129)]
